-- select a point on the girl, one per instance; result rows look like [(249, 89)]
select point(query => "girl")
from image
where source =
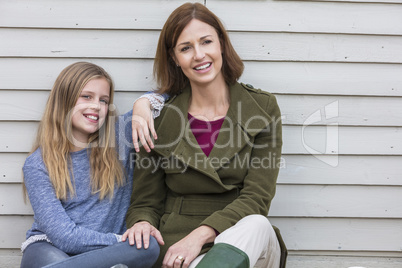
[(208, 184), (75, 180)]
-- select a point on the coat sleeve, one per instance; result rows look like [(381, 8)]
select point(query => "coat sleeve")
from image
[(149, 190), (260, 182)]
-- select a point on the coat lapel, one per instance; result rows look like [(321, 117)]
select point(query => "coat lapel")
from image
[(176, 139), (244, 120)]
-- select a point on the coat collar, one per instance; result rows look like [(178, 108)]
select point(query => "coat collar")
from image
[(244, 120)]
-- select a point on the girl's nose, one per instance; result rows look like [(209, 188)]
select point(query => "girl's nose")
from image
[(95, 105)]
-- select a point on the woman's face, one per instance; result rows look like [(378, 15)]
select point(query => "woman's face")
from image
[(198, 52), (90, 111)]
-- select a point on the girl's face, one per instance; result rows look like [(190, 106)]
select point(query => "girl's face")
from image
[(198, 52), (91, 109)]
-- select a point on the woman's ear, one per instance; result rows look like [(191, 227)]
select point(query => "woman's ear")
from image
[(176, 62), (173, 57)]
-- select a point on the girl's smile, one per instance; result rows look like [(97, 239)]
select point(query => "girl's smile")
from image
[(90, 111)]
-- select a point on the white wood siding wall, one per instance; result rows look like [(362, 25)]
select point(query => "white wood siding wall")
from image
[(335, 67)]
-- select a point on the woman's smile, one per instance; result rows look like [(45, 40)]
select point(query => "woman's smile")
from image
[(198, 53)]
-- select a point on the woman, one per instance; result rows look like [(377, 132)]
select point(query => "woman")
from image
[(207, 183), (78, 182)]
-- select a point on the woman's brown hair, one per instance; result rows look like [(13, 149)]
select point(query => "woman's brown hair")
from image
[(170, 78)]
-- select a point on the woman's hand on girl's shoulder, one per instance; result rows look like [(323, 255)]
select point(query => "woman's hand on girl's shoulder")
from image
[(143, 125), (141, 232)]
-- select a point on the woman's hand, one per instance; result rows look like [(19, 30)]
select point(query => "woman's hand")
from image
[(188, 248), (141, 232), (143, 124)]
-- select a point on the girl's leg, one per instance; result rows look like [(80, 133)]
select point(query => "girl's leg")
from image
[(120, 253), (40, 254)]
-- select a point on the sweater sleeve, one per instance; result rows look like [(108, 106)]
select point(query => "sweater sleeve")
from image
[(157, 101), (52, 219)]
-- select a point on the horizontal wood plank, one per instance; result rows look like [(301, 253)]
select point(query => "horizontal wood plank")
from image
[(139, 14), (311, 261), (41, 73), (296, 109), (11, 167), (341, 235), (289, 16), (337, 201), (276, 77), (357, 1), (17, 137), (13, 230), (338, 235), (10, 258), (306, 16), (296, 169), (317, 47), (12, 200), (325, 78), (290, 201), (350, 170), (142, 45)]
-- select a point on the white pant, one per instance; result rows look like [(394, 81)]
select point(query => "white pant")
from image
[(255, 236)]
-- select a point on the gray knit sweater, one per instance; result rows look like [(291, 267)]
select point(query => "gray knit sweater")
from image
[(84, 222)]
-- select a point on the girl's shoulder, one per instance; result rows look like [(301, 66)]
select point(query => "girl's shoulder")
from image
[(34, 159)]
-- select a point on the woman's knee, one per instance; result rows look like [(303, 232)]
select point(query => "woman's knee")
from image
[(257, 221)]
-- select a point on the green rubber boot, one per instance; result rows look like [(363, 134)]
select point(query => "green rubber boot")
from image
[(223, 255)]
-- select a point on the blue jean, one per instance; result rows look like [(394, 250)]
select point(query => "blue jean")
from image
[(44, 254)]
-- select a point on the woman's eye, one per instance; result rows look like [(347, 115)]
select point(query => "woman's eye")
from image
[(207, 42), (184, 49)]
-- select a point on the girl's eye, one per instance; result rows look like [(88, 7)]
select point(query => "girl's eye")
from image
[(85, 96), (105, 101)]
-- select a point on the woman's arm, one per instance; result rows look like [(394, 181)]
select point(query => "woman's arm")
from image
[(145, 109), (189, 247), (53, 220), (147, 199)]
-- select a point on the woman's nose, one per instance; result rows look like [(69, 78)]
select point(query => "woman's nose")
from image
[(198, 53)]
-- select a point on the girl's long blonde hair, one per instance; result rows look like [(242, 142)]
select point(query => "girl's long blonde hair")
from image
[(54, 136)]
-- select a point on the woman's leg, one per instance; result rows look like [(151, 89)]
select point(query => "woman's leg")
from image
[(255, 236), (120, 253), (40, 254)]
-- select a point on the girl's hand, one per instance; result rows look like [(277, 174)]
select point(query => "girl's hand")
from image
[(141, 232), (188, 248), (142, 124)]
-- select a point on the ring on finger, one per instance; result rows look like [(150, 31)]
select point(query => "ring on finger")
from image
[(181, 258)]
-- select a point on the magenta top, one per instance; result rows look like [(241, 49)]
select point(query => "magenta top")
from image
[(205, 132)]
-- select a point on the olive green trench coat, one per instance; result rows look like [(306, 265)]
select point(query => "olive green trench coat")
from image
[(178, 188)]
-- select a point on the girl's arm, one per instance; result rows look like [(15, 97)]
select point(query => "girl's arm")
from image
[(145, 109), (52, 219)]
